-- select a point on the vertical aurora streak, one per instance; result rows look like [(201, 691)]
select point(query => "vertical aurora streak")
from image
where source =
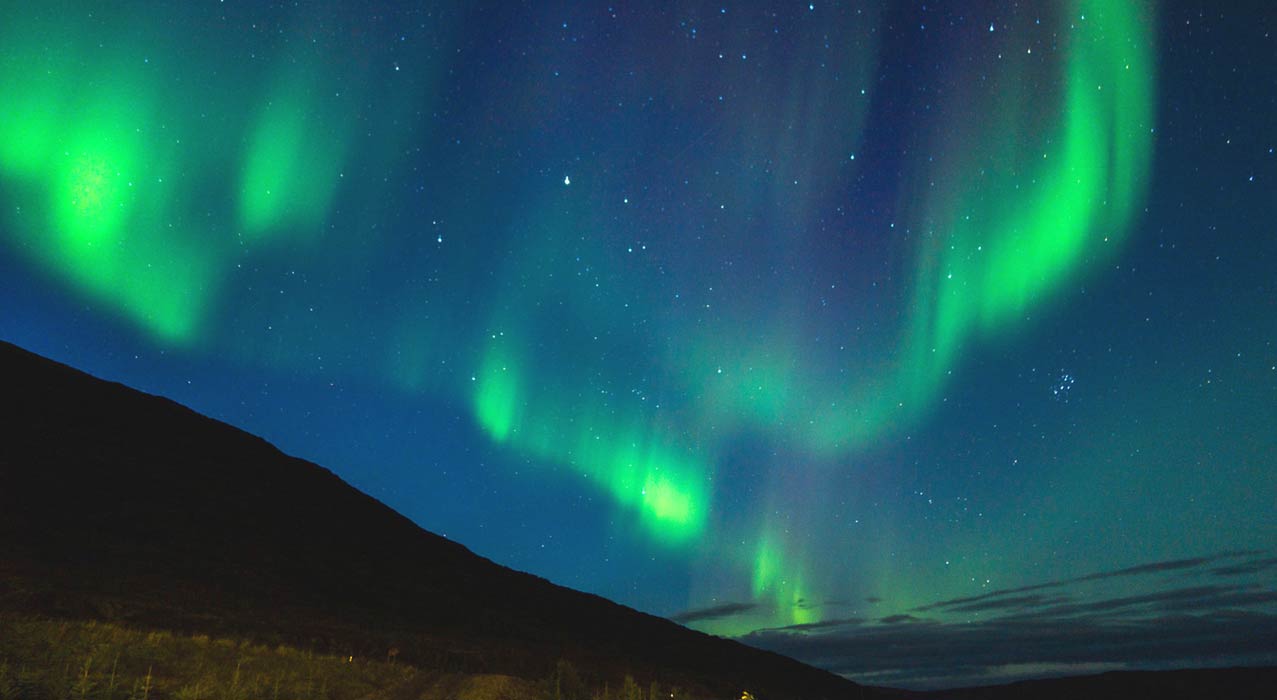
[(1001, 247), (292, 166)]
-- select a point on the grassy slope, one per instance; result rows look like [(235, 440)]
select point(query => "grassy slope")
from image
[(58, 659), (61, 659)]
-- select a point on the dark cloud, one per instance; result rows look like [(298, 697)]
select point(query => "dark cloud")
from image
[(1141, 570), (1246, 568), (822, 625), (1018, 632), (1155, 567), (954, 602), (907, 654), (1011, 603), (1223, 602), (1197, 599), (873, 599), (897, 619), (714, 612)]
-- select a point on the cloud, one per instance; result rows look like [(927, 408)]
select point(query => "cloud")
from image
[(1013, 602), (1141, 570), (1196, 599), (1173, 613), (948, 654), (714, 612), (897, 619), (1246, 568), (822, 625)]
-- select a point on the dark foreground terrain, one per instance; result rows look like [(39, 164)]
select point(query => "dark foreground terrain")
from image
[(122, 507), (149, 552)]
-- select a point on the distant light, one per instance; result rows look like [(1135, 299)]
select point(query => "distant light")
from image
[(567, 180)]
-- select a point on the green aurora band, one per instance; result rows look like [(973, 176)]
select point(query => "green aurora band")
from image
[(1025, 211), (1038, 191), (1053, 197), (85, 151)]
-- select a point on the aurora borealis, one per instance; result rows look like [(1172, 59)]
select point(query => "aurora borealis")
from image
[(841, 327)]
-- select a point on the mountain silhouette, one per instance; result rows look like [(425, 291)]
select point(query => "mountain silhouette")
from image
[(121, 506)]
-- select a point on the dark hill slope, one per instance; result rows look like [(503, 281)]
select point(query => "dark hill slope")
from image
[(120, 505)]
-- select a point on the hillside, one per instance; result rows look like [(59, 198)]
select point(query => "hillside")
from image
[(128, 508)]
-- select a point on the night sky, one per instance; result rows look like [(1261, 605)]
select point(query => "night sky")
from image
[(930, 343)]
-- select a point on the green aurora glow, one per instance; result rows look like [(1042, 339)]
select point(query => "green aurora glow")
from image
[(148, 178)]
